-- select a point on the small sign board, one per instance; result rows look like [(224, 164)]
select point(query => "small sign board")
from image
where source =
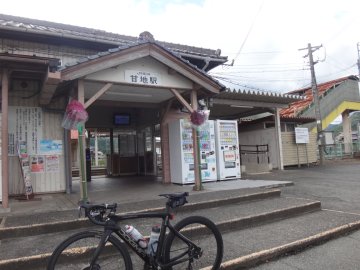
[(301, 135), (142, 77)]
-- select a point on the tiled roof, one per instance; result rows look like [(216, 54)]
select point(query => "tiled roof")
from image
[(138, 43), (297, 107), (20, 24)]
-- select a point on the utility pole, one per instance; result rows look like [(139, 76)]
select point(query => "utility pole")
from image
[(315, 93), (358, 61)]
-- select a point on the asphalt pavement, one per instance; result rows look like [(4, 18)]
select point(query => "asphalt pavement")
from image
[(337, 185), (339, 254)]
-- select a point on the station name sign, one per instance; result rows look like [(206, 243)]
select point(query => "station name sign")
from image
[(142, 77)]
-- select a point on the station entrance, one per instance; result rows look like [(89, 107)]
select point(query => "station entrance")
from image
[(121, 152)]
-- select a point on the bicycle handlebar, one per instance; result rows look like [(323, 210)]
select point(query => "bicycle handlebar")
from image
[(98, 213)]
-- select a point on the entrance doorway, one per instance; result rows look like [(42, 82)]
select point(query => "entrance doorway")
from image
[(117, 152)]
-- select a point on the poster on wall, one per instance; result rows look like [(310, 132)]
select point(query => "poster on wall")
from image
[(52, 163), (50, 147), (26, 125), (25, 167), (37, 164), (22, 149)]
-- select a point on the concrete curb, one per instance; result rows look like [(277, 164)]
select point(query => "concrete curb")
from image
[(262, 256), (36, 261), (36, 229), (248, 221)]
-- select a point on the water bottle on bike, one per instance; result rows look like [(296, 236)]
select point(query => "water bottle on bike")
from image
[(136, 235), (153, 241)]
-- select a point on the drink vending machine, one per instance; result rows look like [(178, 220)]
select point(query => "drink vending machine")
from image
[(182, 151), (227, 149)]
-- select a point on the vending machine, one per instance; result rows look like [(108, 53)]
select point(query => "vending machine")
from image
[(227, 149), (182, 152)]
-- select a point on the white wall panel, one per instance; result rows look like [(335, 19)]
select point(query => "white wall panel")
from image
[(45, 181)]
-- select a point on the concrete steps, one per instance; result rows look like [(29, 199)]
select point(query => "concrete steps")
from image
[(255, 227)]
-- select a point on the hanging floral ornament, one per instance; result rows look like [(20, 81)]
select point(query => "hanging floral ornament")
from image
[(198, 118), (75, 114)]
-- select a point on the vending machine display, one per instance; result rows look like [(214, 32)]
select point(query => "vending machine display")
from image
[(227, 149), (182, 152)]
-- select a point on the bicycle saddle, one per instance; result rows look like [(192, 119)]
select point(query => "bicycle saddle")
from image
[(175, 199), (176, 195)]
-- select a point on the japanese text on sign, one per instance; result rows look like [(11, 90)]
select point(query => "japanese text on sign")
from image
[(25, 124), (142, 77), (229, 156), (301, 135)]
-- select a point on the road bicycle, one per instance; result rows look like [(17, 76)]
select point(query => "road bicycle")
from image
[(193, 243)]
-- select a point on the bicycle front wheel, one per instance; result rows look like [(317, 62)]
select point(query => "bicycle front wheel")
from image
[(77, 251), (202, 232)]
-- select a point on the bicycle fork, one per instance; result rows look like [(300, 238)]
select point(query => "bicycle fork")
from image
[(104, 238)]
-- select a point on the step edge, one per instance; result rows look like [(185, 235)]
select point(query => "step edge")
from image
[(36, 229), (264, 217), (262, 256), (249, 260)]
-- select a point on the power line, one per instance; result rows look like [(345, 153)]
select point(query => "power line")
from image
[(249, 31), (259, 80), (261, 71)]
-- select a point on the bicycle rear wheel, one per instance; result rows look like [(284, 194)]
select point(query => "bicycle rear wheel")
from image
[(202, 232), (76, 253)]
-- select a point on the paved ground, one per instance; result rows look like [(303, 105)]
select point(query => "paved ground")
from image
[(341, 254), (125, 190), (337, 186)]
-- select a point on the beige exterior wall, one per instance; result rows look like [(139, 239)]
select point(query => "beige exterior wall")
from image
[(295, 154), (146, 64)]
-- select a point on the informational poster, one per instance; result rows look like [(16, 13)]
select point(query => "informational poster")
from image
[(25, 125), (50, 147), (37, 164), (22, 149), (52, 163), (25, 167), (301, 135)]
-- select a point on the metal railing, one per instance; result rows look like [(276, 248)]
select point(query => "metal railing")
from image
[(341, 150), (258, 153)]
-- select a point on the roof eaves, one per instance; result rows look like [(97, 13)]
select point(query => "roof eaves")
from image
[(121, 48)]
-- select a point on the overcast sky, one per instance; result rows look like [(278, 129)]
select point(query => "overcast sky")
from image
[(262, 36)]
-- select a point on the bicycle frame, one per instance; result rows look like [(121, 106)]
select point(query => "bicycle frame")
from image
[(112, 226)]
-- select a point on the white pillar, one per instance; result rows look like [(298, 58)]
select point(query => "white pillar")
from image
[(346, 123), (278, 139)]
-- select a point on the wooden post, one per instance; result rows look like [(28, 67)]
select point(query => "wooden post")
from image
[(278, 138), (82, 143), (5, 138), (196, 146)]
